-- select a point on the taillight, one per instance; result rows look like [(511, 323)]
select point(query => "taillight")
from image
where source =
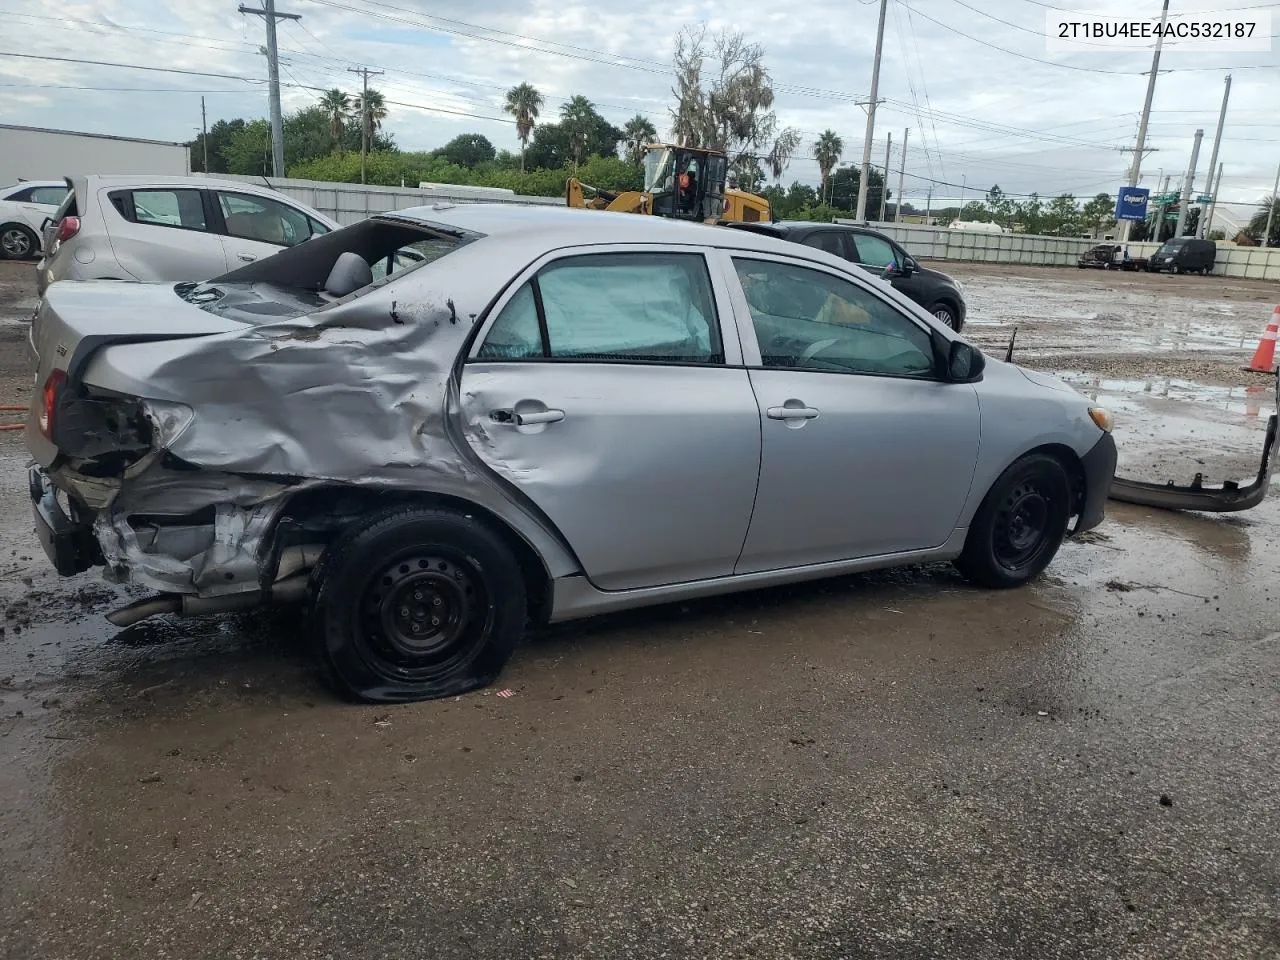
[(51, 388), (68, 227)]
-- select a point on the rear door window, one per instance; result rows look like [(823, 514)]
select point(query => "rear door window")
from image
[(612, 307), (183, 209), (832, 241), (268, 221)]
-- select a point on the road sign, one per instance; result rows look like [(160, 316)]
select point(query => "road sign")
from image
[(1131, 203), (1203, 198), (1165, 198)]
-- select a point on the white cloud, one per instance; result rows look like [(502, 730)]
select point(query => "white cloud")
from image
[(983, 117)]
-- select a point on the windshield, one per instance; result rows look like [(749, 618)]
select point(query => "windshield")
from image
[(1174, 244), (658, 166)]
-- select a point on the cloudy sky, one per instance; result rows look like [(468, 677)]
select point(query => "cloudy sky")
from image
[(990, 107)]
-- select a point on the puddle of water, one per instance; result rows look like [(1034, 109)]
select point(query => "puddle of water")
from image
[(1255, 400)]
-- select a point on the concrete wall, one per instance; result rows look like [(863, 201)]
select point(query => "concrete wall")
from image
[(938, 243), (32, 153), (351, 202)]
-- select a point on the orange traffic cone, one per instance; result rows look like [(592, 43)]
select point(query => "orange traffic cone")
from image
[(1264, 358)]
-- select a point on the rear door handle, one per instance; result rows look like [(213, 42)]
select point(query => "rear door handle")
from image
[(792, 413), (527, 419)]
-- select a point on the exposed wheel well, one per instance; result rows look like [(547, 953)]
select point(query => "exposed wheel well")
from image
[(317, 515)]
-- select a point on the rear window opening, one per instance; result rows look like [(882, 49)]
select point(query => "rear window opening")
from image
[(389, 247)]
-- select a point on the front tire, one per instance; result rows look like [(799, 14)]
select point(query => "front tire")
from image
[(1020, 524), (1175, 269), (17, 242), (417, 603)]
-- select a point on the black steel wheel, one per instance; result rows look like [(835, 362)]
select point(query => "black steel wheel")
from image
[(417, 603), (1020, 524)]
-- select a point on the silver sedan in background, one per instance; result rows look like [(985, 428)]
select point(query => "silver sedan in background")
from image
[(439, 425)]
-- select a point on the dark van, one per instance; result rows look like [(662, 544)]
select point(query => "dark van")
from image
[(1184, 255)]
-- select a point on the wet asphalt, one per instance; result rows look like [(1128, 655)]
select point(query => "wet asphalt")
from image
[(885, 765)]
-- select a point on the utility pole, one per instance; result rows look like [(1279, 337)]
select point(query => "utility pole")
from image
[(365, 73), (928, 208), (1136, 166), (902, 172), (204, 137), (884, 187), (1271, 210), (1213, 157), (1160, 208), (1185, 200), (269, 14), (861, 213), (1206, 222)]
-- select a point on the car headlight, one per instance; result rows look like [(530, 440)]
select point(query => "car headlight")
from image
[(1102, 417), (168, 420)]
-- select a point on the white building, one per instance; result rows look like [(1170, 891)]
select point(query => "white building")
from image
[(34, 153)]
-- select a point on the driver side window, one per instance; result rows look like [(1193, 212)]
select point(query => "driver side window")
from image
[(809, 320)]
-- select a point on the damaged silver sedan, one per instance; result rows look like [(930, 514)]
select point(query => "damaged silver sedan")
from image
[(438, 426)]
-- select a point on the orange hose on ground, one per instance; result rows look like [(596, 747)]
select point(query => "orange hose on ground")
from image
[(14, 409), (12, 426)]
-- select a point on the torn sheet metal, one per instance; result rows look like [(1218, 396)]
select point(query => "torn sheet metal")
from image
[(357, 393)]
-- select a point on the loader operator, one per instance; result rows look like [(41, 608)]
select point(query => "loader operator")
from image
[(688, 181)]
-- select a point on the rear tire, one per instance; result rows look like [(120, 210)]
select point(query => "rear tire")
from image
[(1020, 524), (17, 242), (417, 603)]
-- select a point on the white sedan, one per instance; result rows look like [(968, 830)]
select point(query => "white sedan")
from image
[(24, 207)]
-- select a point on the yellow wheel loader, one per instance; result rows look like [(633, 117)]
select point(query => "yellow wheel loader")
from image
[(686, 183)]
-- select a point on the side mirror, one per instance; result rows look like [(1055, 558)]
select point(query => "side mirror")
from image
[(909, 267), (964, 363), (890, 271)]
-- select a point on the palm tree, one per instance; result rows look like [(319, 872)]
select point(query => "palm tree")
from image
[(523, 102), (638, 133), (337, 104), (1258, 224), (372, 108), (827, 152), (578, 117)]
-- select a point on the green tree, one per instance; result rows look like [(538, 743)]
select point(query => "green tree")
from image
[(468, 150), (371, 108), (1258, 223), (220, 136), (733, 112), (578, 118), (1030, 213), (1062, 216), (249, 150), (843, 192), (827, 152), (337, 106), (1099, 212), (523, 103), (1000, 209), (638, 132)]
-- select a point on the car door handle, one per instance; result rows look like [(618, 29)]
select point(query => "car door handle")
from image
[(792, 413), (247, 258), (527, 419)]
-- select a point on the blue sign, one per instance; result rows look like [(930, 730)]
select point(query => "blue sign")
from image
[(1131, 203)]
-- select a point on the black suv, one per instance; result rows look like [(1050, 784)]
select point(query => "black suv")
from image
[(934, 291)]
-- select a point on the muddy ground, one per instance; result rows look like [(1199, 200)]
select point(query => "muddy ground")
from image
[(890, 765)]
